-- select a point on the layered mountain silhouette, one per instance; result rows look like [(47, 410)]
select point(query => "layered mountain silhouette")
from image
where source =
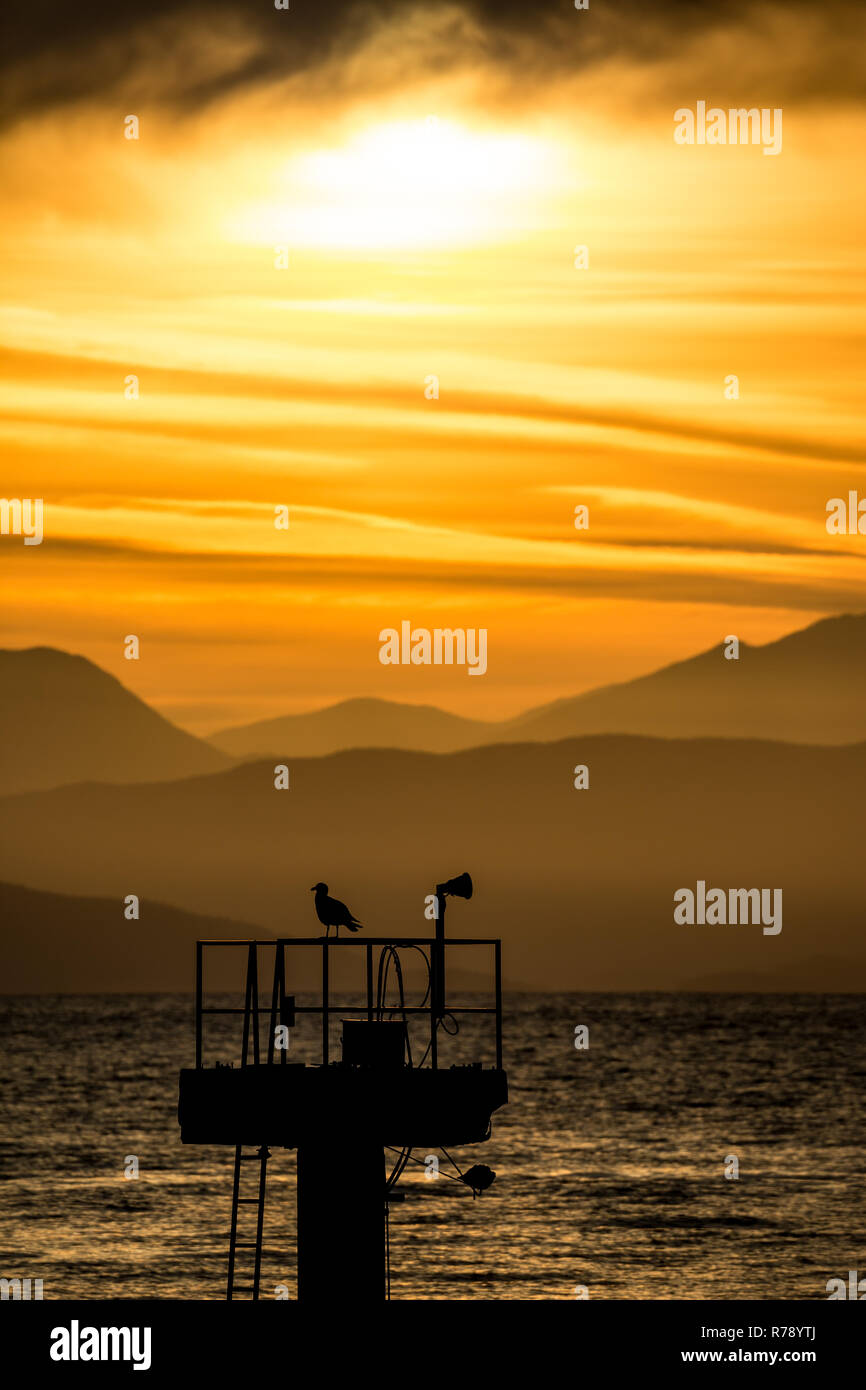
[(65, 720), (55, 943), (808, 687), (52, 943), (360, 723), (837, 974), (579, 884), (100, 797)]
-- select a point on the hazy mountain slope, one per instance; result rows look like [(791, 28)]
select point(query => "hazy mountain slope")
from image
[(65, 720), (809, 687), (56, 944), (579, 883), (52, 943), (356, 724), (835, 974)]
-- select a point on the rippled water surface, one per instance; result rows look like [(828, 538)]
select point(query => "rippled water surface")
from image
[(610, 1161)]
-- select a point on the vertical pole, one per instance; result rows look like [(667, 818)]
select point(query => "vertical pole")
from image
[(437, 992), (369, 983), (324, 1003), (247, 1001), (254, 965), (497, 953), (264, 1155), (437, 978), (283, 1015), (198, 1002), (233, 1233), (275, 1004)]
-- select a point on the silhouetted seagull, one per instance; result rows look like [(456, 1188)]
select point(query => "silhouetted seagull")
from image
[(331, 912)]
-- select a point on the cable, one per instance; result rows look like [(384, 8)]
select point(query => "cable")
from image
[(425, 958), (451, 1160), (399, 1168), (386, 956), (452, 1033), (390, 1183), (422, 1164)]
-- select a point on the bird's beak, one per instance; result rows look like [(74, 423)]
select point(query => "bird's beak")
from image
[(313, 889)]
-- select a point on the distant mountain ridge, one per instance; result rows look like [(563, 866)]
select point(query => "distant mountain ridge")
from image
[(52, 943), (64, 720), (813, 975), (368, 723), (807, 687), (579, 884)]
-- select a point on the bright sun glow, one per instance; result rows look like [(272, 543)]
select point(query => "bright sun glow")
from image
[(406, 184)]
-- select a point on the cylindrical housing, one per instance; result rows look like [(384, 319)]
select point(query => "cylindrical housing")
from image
[(341, 1222)]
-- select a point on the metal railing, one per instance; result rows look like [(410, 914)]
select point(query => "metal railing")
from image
[(437, 1008)]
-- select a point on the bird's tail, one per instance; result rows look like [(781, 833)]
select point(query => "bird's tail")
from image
[(354, 925)]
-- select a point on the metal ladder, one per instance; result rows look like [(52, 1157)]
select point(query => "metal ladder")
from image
[(260, 1155)]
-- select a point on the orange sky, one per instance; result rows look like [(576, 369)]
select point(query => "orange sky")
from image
[(430, 221)]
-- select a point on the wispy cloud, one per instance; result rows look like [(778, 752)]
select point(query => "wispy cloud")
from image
[(420, 252)]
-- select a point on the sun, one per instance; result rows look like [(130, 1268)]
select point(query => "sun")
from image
[(407, 184)]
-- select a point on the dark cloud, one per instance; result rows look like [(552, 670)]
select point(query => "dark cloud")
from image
[(43, 26), (57, 53)]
